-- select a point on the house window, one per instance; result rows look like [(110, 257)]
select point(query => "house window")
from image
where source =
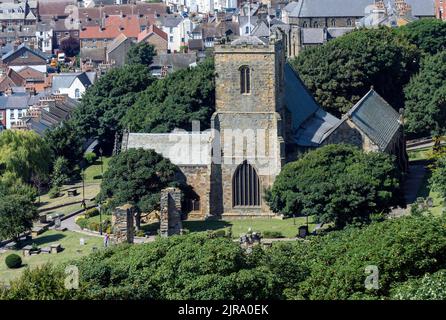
[(245, 80), (11, 114), (305, 25), (247, 30), (349, 22), (77, 93), (1, 116), (333, 22), (246, 186), (315, 24), (171, 39)]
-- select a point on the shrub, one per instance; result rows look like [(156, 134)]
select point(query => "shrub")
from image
[(90, 157), (93, 212), (272, 234), (93, 225), (54, 192), (429, 287), (82, 223), (13, 261)]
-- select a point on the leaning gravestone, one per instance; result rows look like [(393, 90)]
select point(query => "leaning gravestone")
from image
[(170, 213), (122, 224)]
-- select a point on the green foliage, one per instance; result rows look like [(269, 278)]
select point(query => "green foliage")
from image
[(93, 212), (54, 192), (429, 35), (173, 102), (41, 283), (429, 287), (70, 46), (90, 157), (60, 173), (137, 176), (340, 72), (13, 261), (272, 234), (336, 183), (66, 141), (333, 266), (17, 209), (192, 267), (22, 155), (106, 102), (141, 54), (426, 97), (82, 223)]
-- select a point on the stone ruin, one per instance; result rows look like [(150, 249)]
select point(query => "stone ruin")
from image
[(123, 224), (170, 213)]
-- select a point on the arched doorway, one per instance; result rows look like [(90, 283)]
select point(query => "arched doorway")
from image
[(245, 186)]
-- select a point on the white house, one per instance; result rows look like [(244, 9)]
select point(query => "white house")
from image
[(72, 84), (178, 31)]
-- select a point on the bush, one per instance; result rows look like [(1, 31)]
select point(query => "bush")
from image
[(429, 287), (94, 226), (54, 192), (272, 234), (13, 261), (90, 157), (93, 212), (82, 223)]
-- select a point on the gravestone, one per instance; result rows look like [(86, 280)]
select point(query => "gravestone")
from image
[(170, 213), (122, 224)]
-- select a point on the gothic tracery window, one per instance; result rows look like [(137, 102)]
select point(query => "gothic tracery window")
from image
[(245, 80), (245, 186)]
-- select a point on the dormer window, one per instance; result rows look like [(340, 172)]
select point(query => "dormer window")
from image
[(245, 80)]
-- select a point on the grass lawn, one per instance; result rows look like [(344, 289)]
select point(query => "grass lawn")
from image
[(93, 172), (420, 154), (69, 241), (241, 226), (425, 192)]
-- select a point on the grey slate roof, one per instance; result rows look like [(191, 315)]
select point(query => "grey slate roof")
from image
[(247, 40), (309, 121), (64, 80), (349, 8), (24, 46), (376, 118)]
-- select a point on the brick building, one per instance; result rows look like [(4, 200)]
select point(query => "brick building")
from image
[(440, 9)]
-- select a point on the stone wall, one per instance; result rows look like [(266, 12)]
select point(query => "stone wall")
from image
[(198, 178), (170, 212), (123, 224)]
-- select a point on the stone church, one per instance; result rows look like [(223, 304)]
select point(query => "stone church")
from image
[(264, 117)]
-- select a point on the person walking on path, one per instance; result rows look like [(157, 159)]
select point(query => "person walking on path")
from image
[(106, 239)]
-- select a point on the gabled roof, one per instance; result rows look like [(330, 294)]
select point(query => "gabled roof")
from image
[(376, 118), (152, 29), (117, 42), (65, 80), (114, 26), (247, 40), (309, 121), (38, 53)]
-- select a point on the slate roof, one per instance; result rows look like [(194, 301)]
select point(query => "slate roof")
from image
[(313, 36), (116, 42), (309, 121), (247, 40), (64, 80), (38, 53), (376, 118), (349, 8)]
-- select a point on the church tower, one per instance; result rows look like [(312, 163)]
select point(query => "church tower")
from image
[(248, 150)]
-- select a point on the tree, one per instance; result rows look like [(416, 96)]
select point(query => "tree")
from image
[(66, 141), (341, 72), (17, 209), (429, 287), (23, 154), (426, 98), (429, 35), (337, 183), (70, 46), (438, 178), (60, 173), (175, 101), (106, 102), (137, 176), (141, 53)]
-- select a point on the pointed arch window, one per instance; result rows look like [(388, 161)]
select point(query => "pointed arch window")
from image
[(245, 80), (245, 186)]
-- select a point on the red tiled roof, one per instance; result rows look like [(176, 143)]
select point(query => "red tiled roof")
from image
[(153, 29), (130, 26)]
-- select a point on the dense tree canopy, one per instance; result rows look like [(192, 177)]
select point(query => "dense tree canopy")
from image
[(341, 72), (70, 46), (426, 98), (106, 102), (137, 176), (429, 35), (173, 102), (17, 209), (23, 154), (141, 53), (198, 267), (337, 183)]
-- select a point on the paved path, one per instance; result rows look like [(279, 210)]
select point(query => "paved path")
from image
[(411, 187)]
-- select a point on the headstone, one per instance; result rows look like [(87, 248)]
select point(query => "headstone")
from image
[(170, 213), (122, 224), (82, 241), (57, 223)]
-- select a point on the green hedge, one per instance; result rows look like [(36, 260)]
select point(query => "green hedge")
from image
[(13, 261)]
